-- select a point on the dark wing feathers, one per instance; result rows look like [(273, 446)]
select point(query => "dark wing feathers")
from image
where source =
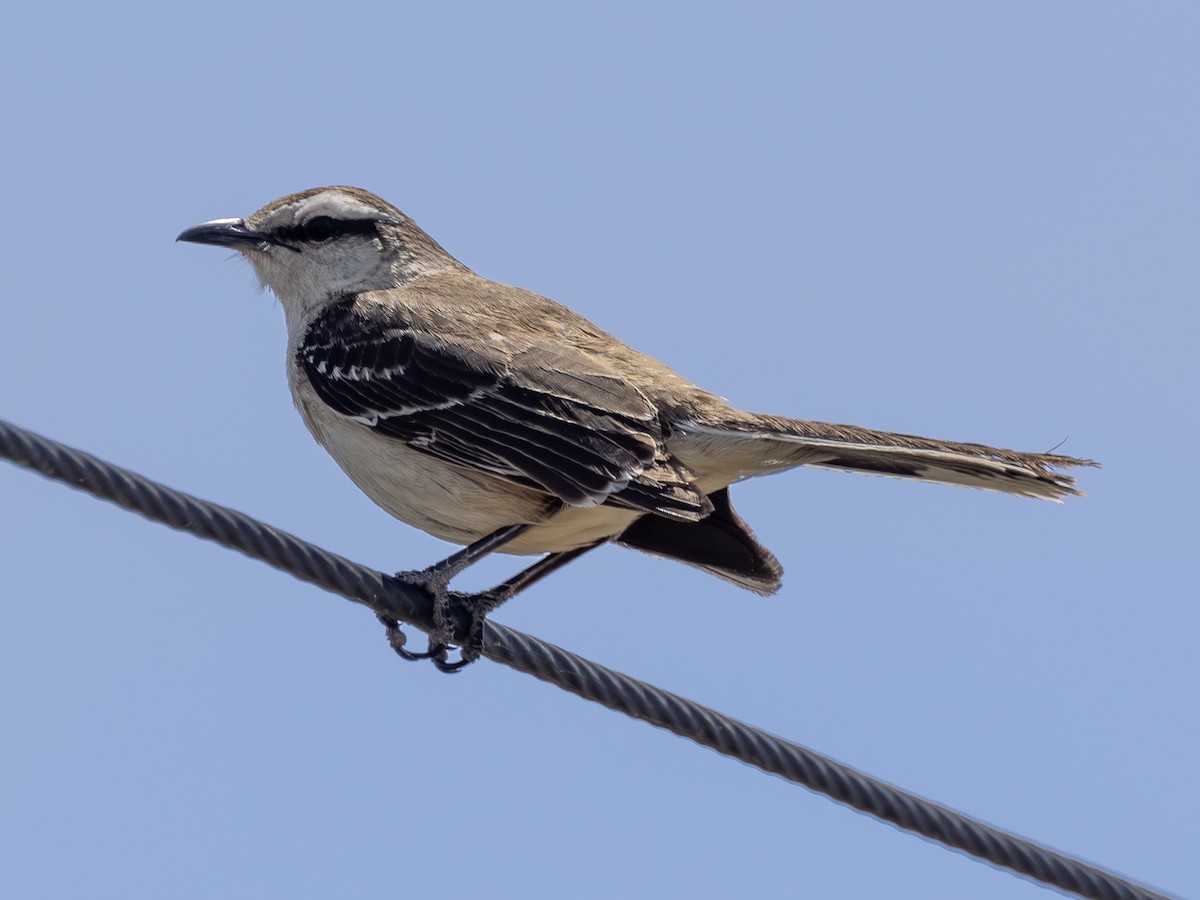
[(582, 436)]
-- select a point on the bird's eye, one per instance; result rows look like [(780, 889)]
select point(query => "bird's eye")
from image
[(320, 228)]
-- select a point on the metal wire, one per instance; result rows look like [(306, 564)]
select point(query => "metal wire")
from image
[(566, 670)]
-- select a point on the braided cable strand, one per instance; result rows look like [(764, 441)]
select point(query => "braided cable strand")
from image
[(224, 526), (566, 670)]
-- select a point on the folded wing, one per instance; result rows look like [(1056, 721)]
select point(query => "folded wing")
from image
[(539, 418)]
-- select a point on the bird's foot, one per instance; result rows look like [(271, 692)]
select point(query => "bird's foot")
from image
[(475, 607), (398, 639), (435, 581), (450, 606)]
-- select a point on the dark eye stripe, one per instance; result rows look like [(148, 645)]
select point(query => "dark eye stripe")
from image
[(322, 228)]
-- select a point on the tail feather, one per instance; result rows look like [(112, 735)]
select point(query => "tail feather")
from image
[(781, 443), (721, 544)]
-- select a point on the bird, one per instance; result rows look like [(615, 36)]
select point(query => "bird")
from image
[(496, 418)]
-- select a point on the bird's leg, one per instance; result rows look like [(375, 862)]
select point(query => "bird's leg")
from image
[(436, 580), (439, 574), (479, 605)]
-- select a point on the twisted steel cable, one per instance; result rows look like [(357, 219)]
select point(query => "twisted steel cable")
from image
[(573, 673)]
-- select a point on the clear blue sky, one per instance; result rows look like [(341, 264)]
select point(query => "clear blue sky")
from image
[(929, 217)]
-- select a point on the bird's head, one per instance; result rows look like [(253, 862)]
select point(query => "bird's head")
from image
[(325, 243)]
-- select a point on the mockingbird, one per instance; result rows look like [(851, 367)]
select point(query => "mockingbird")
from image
[(491, 416)]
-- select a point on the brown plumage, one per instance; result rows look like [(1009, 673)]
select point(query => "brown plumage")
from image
[(462, 405)]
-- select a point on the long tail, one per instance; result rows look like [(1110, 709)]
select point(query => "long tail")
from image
[(773, 443)]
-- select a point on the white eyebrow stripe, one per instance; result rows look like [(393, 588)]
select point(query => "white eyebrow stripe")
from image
[(335, 204)]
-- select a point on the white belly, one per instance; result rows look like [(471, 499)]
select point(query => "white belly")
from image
[(451, 502), (573, 527)]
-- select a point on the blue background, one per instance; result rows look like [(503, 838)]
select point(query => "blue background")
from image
[(929, 217)]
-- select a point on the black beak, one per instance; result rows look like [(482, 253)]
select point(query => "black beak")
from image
[(227, 233)]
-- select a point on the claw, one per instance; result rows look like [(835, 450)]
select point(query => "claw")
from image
[(476, 606), (397, 640), (433, 651), (443, 665), (436, 580)]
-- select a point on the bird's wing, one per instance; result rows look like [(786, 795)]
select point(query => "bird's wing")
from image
[(546, 417)]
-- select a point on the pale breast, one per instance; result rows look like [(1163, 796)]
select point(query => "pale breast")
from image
[(573, 527), (451, 502)]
